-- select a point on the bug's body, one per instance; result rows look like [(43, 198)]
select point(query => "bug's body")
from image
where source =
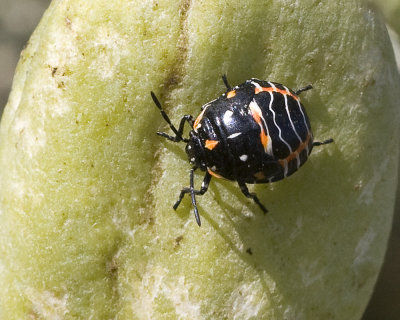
[(259, 128), (256, 132)]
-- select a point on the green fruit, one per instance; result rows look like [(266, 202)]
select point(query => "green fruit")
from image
[(391, 12), (86, 224)]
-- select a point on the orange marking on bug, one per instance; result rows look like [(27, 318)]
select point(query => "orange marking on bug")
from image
[(231, 94), (264, 139), (216, 175), (271, 89), (211, 144), (255, 112), (198, 119), (259, 175), (295, 153)]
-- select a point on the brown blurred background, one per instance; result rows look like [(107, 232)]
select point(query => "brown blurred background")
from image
[(18, 18)]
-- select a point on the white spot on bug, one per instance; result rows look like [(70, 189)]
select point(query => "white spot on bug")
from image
[(189, 147), (243, 157), (234, 135), (228, 116), (213, 168), (192, 159)]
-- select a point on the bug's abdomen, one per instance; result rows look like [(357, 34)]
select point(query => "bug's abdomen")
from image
[(287, 126)]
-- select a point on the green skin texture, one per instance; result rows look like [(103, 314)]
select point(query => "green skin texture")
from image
[(87, 227), (391, 10)]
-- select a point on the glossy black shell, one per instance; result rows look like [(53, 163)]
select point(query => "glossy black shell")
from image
[(257, 132)]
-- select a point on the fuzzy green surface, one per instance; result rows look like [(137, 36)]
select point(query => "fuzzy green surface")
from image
[(391, 11), (86, 224)]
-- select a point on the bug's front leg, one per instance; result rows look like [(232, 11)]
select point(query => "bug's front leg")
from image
[(178, 133), (193, 192)]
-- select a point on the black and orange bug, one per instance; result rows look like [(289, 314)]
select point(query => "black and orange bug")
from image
[(256, 132)]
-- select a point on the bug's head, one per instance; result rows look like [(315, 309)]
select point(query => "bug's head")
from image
[(195, 151)]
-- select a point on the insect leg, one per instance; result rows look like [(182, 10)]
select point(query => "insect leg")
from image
[(253, 196), (318, 143), (225, 80), (178, 132), (193, 192), (303, 89)]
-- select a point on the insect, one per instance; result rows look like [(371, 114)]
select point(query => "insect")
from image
[(256, 132)]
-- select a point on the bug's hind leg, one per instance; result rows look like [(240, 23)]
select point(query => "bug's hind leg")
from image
[(253, 196), (309, 87), (193, 192), (321, 143), (225, 80)]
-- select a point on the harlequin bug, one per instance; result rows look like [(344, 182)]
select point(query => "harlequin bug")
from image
[(256, 132)]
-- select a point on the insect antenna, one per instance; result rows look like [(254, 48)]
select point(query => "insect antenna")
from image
[(178, 132)]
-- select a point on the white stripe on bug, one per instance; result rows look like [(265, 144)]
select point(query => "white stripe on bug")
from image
[(208, 103), (253, 105), (274, 118), (255, 83), (292, 124), (305, 123), (304, 117), (269, 146), (288, 113)]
